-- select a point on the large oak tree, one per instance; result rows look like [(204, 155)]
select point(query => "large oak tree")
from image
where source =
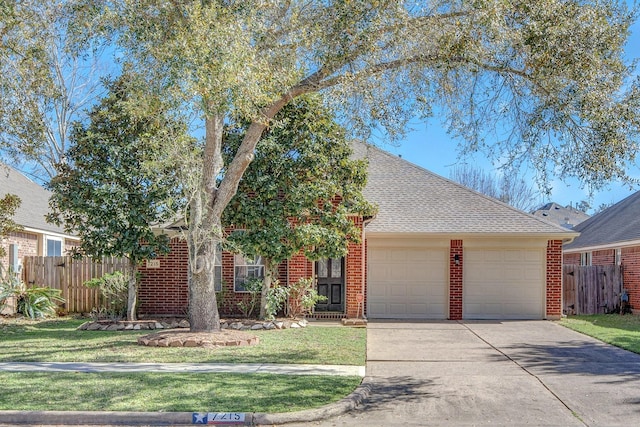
[(545, 79)]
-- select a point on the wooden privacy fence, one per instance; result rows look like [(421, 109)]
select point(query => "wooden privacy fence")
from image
[(68, 275), (593, 289)]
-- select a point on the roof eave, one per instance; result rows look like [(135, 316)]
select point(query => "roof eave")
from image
[(603, 246)]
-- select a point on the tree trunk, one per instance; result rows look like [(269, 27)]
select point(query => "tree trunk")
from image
[(132, 297), (203, 309), (269, 274), (208, 201)]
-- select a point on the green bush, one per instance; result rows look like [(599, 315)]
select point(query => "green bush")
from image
[(276, 298), (33, 302), (302, 298), (251, 299), (113, 296)]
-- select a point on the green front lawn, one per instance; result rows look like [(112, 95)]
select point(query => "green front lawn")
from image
[(151, 392), (59, 341), (621, 331)]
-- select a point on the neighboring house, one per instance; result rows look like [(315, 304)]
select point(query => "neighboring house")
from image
[(612, 237), (435, 250), (567, 217), (37, 238)]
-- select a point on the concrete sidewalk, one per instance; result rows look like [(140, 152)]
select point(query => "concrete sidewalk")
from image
[(238, 368)]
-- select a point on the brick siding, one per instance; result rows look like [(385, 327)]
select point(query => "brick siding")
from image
[(554, 279), (164, 290), (455, 280), (572, 259), (631, 275), (27, 246), (605, 257), (355, 280)]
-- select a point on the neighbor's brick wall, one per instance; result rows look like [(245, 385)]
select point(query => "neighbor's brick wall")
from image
[(163, 291), (27, 246), (455, 280), (606, 257), (631, 275), (554, 279), (572, 259)]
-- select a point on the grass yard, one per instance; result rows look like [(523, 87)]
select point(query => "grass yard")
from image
[(152, 392), (59, 341), (621, 331)]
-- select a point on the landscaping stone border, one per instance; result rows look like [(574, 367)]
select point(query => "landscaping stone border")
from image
[(234, 324), (183, 338)]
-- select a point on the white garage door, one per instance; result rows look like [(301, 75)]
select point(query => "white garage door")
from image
[(504, 283), (407, 282)]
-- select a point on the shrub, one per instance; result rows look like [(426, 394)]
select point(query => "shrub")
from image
[(113, 296), (302, 298), (276, 298), (251, 298), (33, 302)]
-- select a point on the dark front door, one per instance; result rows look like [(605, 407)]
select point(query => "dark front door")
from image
[(330, 274)]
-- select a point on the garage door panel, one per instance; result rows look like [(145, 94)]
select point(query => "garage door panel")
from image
[(503, 283), (407, 282)]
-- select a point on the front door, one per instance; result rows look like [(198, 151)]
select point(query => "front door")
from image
[(330, 274)]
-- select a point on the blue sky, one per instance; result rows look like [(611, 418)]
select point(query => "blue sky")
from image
[(429, 146)]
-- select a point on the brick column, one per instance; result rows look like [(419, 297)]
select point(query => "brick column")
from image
[(554, 279), (355, 275), (455, 280)]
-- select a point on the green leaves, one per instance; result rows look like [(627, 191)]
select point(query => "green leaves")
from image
[(117, 181), (301, 188), (9, 204)]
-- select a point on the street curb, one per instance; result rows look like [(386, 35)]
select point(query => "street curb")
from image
[(346, 404), (343, 406)]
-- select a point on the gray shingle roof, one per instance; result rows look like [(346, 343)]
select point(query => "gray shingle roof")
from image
[(567, 217), (413, 200), (35, 200), (617, 224)]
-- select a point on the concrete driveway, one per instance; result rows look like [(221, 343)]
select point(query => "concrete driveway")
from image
[(494, 373)]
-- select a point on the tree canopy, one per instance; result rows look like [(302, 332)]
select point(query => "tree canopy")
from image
[(44, 86), (545, 78), (116, 185), (299, 192), (9, 204)]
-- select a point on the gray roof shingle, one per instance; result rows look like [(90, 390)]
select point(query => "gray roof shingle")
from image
[(617, 224), (413, 200), (567, 217), (35, 200)]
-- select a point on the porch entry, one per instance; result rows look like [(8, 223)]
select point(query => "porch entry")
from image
[(330, 276)]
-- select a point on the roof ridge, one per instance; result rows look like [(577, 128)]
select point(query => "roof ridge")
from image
[(459, 185)]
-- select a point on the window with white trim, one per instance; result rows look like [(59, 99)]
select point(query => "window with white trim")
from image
[(52, 246), (618, 256), (585, 258), (246, 267)]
